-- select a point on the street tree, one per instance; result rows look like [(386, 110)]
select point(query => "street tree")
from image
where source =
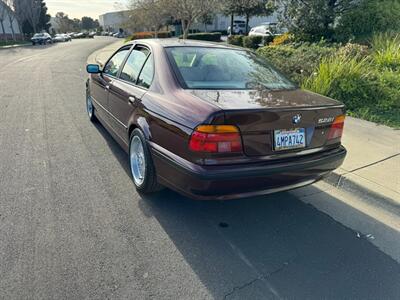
[(10, 11), (149, 14), (32, 10), (230, 8), (63, 22), (188, 11), (3, 15), (87, 23), (250, 8)]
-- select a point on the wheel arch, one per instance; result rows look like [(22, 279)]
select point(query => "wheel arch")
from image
[(141, 123)]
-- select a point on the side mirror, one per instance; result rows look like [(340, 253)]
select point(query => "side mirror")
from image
[(93, 69)]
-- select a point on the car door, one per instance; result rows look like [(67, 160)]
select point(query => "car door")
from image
[(127, 91), (100, 84)]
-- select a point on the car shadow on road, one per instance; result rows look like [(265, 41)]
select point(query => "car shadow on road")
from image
[(274, 246)]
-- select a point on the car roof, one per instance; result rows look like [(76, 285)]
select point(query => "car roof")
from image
[(173, 42)]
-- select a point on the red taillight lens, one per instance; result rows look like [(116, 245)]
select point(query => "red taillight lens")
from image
[(216, 139), (336, 129)]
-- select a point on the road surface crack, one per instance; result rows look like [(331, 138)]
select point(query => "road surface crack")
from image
[(262, 278)]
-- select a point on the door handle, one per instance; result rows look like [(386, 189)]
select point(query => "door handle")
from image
[(133, 99)]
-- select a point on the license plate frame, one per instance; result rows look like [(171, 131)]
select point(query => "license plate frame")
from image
[(295, 139)]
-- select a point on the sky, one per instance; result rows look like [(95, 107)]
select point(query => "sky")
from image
[(80, 8)]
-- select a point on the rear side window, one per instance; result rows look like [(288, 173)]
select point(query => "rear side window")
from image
[(114, 64), (147, 74), (134, 64)]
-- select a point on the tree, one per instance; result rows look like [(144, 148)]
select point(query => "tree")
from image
[(250, 8), (312, 20), (368, 17), (64, 23), (3, 15), (18, 6), (10, 15), (206, 19), (188, 11), (230, 7), (149, 14), (44, 18), (87, 23), (32, 11)]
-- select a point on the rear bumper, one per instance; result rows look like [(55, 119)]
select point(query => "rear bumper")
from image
[(247, 180)]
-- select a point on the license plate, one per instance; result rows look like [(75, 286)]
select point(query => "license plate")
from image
[(290, 139)]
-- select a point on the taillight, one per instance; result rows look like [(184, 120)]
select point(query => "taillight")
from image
[(216, 139), (336, 129)]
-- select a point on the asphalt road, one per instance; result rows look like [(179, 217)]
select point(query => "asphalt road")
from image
[(73, 227)]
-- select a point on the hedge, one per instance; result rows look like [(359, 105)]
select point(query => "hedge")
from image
[(149, 35), (205, 36)]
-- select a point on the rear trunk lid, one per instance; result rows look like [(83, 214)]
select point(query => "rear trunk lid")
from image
[(265, 116)]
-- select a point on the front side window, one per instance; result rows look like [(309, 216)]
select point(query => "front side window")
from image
[(147, 74), (134, 64), (221, 68), (114, 64)]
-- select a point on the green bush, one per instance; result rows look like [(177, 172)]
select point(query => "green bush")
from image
[(297, 61), (366, 79), (252, 42), (266, 40), (205, 36), (386, 49), (236, 40), (367, 92), (368, 17)]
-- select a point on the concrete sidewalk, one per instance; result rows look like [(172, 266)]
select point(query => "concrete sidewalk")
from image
[(372, 166)]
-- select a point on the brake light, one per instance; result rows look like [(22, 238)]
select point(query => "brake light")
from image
[(216, 139), (336, 129)]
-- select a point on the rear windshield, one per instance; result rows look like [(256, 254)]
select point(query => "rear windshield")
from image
[(219, 68)]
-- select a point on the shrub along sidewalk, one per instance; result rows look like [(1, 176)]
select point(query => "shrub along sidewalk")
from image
[(365, 78)]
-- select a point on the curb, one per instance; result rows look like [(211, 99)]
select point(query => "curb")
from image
[(14, 46), (341, 182)]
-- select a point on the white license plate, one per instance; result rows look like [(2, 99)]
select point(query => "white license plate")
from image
[(290, 139)]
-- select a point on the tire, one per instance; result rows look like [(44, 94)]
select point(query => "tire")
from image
[(90, 108), (141, 164)]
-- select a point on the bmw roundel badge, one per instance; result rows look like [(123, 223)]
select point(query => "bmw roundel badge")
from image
[(296, 119)]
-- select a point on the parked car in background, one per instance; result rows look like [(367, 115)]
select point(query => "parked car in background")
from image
[(212, 121), (266, 29), (91, 34), (119, 35), (239, 27), (67, 37), (61, 37), (41, 39)]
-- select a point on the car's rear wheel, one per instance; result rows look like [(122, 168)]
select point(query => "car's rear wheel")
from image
[(90, 107), (142, 167)]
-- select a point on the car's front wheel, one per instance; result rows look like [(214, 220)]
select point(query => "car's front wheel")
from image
[(90, 107), (142, 167)]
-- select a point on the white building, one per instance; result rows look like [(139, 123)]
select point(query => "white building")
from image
[(8, 23), (113, 21), (222, 22)]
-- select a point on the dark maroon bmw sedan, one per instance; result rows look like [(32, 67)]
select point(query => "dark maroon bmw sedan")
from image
[(213, 121)]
